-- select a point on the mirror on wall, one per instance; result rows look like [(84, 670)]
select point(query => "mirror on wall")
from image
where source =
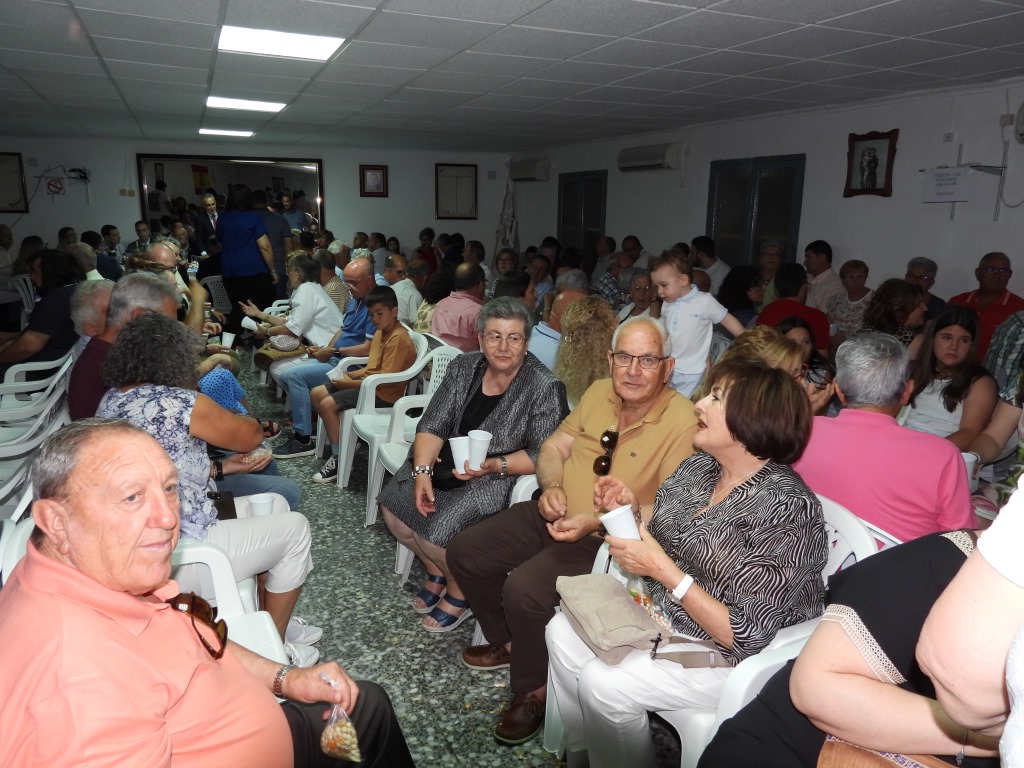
[(164, 178)]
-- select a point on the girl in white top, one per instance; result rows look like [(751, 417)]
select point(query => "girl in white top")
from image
[(953, 396)]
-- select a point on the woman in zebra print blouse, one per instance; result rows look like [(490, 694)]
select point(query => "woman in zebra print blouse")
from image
[(731, 552)]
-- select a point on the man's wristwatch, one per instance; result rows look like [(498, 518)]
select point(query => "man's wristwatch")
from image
[(504, 467), (422, 469), (278, 687)]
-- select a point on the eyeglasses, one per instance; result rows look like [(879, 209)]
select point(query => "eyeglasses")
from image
[(996, 270), (603, 464), (197, 608), (642, 288), (647, 362), (514, 340)]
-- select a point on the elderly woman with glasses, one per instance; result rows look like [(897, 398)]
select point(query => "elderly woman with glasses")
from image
[(504, 390), (730, 553)]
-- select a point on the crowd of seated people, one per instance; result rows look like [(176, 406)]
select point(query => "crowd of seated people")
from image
[(585, 368)]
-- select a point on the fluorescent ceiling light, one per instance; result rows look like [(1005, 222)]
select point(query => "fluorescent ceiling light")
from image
[(219, 102), (270, 43), (216, 132)]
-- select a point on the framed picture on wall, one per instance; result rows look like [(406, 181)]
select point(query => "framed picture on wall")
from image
[(373, 181), (869, 162), (13, 197), (454, 191), (158, 171), (278, 183)]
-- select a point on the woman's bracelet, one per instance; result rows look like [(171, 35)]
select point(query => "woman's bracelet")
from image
[(218, 467)]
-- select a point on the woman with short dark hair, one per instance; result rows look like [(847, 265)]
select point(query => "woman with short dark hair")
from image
[(731, 552)]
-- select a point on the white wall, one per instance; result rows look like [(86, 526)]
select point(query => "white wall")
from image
[(663, 207), (409, 207)]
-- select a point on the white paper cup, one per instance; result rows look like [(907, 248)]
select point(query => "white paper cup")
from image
[(620, 522), (479, 442), (261, 504), (249, 324), (227, 339), (460, 452), (973, 462)]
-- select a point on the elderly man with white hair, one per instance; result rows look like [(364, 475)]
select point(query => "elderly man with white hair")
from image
[(904, 482), (107, 663)]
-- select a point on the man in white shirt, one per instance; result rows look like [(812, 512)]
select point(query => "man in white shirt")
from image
[(379, 246), (641, 258), (824, 282), (604, 249), (702, 251), (409, 299)]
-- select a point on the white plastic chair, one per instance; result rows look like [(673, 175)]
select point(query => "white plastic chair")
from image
[(19, 371), (17, 543), (885, 538), (372, 421), (253, 629), (27, 293), (389, 447)]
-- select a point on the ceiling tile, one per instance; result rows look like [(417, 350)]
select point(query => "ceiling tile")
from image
[(493, 64), (601, 17), (349, 90), (112, 49), (800, 11), (504, 12), (386, 55), (275, 66), (161, 87), (571, 107), (725, 29), (410, 29), (814, 71), (156, 73), (274, 87), (86, 86), (553, 89), (642, 53), (45, 40), (365, 121), (200, 11), (1006, 30), (969, 64), (340, 72), (886, 80), (668, 80), (898, 53), (619, 95), (147, 30), (506, 102), (731, 63), (583, 72), (308, 18), (539, 42), (741, 86), (814, 93), (459, 81), (912, 17), (443, 99), (150, 101), (688, 99), (50, 62), (813, 42)]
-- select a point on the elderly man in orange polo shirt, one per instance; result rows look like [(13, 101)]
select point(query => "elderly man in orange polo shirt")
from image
[(992, 300), (106, 664)]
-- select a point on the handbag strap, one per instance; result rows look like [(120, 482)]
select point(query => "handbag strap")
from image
[(712, 658)]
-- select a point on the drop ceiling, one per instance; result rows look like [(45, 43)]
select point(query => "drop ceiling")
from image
[(500, 75)]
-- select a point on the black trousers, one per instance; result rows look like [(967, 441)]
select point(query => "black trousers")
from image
[(381, 743), (255, 288)]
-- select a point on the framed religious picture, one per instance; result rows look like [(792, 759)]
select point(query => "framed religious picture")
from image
[(454, 191), (373, 181), (13, 198), (869, 162)]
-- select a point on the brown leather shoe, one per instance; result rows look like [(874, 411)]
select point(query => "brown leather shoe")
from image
[(486, 657), (522, 720)]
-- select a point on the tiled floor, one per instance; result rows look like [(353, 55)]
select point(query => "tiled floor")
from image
[(447, 711)]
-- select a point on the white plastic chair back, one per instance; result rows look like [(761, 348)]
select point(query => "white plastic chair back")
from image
[(886, 539), (17, 544), (849, 541), (218, 293)]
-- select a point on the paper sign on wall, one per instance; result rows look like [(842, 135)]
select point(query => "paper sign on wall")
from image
[(945, 185)]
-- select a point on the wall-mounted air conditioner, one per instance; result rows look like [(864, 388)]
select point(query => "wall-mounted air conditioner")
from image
[(652, 158), (530, 170)]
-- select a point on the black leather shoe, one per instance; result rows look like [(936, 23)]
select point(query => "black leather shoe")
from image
[(523, 720)]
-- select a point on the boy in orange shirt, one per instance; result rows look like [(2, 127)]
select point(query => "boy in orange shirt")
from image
[(391, 351)]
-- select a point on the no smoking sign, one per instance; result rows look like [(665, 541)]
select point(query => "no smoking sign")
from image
[(54, 185)]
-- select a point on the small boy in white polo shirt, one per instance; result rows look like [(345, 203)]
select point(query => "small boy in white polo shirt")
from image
[(688, 315)]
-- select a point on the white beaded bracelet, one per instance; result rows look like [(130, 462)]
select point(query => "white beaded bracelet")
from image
[(682, 587)]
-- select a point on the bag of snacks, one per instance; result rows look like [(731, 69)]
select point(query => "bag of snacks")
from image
[(339, 737)]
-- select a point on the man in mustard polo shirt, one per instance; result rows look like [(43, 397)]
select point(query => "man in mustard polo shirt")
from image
[(633, 426)]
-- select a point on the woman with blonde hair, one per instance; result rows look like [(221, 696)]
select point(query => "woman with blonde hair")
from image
[(587, 328)]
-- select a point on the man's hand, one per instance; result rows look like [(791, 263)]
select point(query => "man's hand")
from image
[(570, 529), (320, 354), (553, 504), (196, 292), (308, 686), (610, 492)]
